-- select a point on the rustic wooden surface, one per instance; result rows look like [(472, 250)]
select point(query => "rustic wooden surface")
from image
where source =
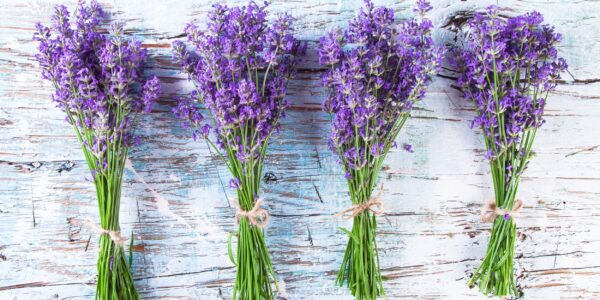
[(175, 200)]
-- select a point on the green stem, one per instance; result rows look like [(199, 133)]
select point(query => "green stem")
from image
[(495, 275), (115, 280), (254, 269), (360, 266)]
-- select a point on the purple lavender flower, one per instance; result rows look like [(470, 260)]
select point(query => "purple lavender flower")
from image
[(150, 94), (235, 183), (423, 7)]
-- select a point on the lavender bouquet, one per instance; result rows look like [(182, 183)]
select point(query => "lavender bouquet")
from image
[(376, 72), (508, 68), (240, 69), (97, 80)]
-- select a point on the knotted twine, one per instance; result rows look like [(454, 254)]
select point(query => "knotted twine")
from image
[(491, 211), (258, 216), (356, 209), (115, 235)]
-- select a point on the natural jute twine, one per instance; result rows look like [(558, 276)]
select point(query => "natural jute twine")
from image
[(356, 209), (491, 211), (258, 216), (115, 235)]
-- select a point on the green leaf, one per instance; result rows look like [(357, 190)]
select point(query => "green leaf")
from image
[(354, 238), (230, 250), (501, 261), (131, 251)]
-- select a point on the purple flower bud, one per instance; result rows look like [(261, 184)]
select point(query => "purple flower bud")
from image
[(205, 130), (423, 7), (150, 94), (235, 183)]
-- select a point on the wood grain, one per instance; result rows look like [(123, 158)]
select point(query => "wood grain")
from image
[(178, 208)]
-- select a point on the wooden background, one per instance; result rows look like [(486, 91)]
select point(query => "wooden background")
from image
[(176, 200)]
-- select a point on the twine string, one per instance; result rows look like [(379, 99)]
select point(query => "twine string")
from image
[(257, 216), (356, 209), (115, 235), (491, 211)]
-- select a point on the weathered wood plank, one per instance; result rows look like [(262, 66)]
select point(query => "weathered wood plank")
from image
[(176, 204)]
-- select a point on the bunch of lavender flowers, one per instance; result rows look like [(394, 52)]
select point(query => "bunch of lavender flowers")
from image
[(509, 66), (240, 67), (98, 84), (376, 72)]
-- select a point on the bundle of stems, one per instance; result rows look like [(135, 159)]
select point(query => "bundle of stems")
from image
[(98, 84), (254, 269), (360, 266), (508, 69)]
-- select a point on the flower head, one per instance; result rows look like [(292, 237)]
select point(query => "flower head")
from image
[(507, 68), (241, 64), (375, 74), (98, 80)]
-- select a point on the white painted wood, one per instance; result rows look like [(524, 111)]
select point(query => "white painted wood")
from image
[(174, 200)]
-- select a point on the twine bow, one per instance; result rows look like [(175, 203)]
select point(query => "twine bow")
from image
[(258, 216), (491, 211), (356, 209), (115, 235)]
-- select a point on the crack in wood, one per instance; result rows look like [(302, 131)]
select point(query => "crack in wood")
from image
[(33, 211), (70, 231), (66, 167), (37, 284), (317, 191), (589, 149), (317, 157), (270, 177), (182, 273), (87, 244)]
